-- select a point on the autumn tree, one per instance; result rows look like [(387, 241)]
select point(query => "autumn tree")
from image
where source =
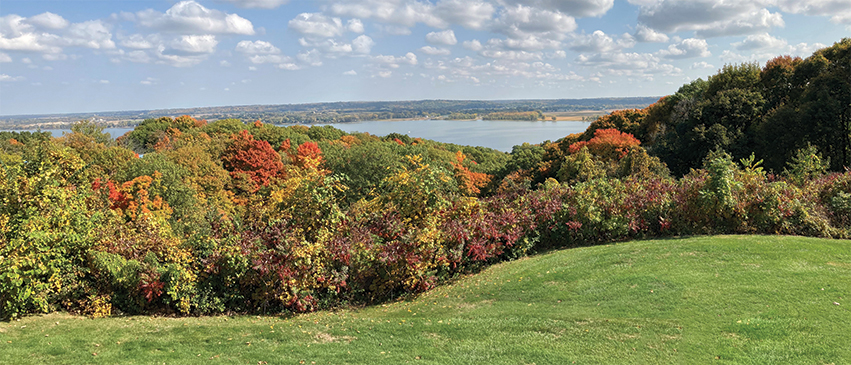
[(247, 158)]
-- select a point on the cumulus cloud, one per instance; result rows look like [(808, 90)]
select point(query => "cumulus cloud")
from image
[(48, 20), (627, 63), (7, 78), (524, 22), (93, 34), (473, 45), (601, 42), (310, 58), (354, 26), (400, 12), (759, 41), (687, 48), (435, 51), (647, 35), (701, 65), (262, 4), (576, 8), (20, 34), (5, 58), (317, 25), (138, 41), (350, 73), (193, 18), (708, 18), (256, 47), (468, 14), (395, 62), (838, 10), (193, 45), (446, 37), (362, 44)]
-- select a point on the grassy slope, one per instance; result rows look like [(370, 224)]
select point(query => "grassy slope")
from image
[(728, 299)]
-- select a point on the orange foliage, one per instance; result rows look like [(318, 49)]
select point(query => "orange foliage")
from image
[(399, 141), (309, 156), (258, 123), (469, 182), (348, 141), (610, 143), (255, 159), (133, 197), (14, 142)]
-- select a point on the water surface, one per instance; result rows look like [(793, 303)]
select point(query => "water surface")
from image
[(497, 134)]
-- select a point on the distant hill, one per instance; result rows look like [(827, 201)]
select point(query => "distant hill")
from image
[(336, 112)]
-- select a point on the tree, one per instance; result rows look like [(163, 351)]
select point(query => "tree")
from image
[(255, 160)]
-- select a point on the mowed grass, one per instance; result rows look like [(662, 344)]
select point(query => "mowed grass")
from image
[(723, 299)]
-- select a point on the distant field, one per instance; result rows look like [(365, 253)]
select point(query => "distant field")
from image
[(725, 299)]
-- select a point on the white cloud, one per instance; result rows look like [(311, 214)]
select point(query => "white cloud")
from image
[(194, 44), (224, 63), (395, 62), (838, 10), (435, 51), (5, 58), (645, 34), (93, 34), (317, 25), (262, 4), (759, 41), (48, 20), (630, 64), (103, 82), (701, 65), (269, 58), (687, 48), (708, 18), (354, 26), (600, 42), (466, 13), (576, 8), (473, 45), (311, 58), (17, 35), (192, 18), (7, 78), (138, 41), (256, 47), (350, 73), (446, 37), (362, 44)]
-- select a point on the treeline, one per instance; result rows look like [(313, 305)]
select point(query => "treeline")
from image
[(181, 216), (339, 112)]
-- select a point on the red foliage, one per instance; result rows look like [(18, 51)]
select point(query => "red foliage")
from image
[(608, 143), (252, 158), (399, 141), (309, 155)]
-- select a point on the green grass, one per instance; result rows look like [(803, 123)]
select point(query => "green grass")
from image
[(726, 299)]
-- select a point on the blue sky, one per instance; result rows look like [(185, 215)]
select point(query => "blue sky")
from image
[(85, 56)]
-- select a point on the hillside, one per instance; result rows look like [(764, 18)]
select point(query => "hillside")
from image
[(735, 299)]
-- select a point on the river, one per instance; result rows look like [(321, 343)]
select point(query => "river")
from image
[(497, 134)]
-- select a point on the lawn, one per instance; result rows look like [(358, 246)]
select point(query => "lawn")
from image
[(722, 299)]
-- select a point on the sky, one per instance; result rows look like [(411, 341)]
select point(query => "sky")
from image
[(64, 56)]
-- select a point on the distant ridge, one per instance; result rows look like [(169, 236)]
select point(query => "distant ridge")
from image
[(340, 112)]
